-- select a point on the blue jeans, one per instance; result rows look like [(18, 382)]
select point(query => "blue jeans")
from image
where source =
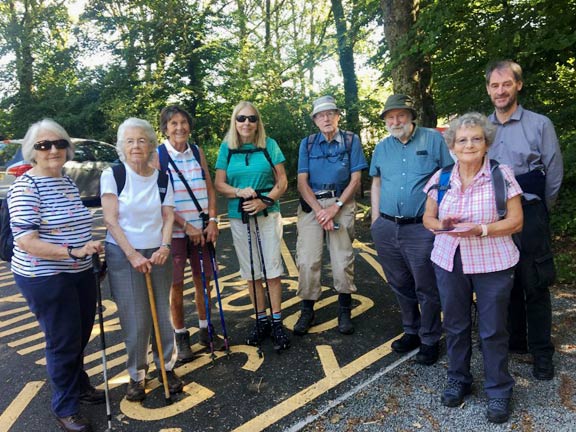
[(404, 254), (64, 305)]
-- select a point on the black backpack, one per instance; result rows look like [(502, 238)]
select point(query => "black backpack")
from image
[(119, 172), (6, 238)]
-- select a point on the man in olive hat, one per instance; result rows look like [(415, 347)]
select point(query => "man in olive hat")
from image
[(401, 165), (329, 167)]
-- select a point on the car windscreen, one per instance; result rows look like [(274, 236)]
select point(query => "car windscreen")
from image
[(9, 154), (86, 151)]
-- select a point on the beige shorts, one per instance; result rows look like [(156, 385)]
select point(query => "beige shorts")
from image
[(270, 229)]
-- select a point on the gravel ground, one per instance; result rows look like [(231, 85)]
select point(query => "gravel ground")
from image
[(407, 397)]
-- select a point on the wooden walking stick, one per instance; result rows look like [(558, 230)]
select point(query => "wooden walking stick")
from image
[(167, 396)]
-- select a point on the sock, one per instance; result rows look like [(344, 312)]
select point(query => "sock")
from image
[(203, 323), (262, 316), (182, 330), (277, 317)]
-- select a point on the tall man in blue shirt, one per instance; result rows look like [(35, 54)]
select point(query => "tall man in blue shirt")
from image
[(401, 165), (330, 164), (527, 142)]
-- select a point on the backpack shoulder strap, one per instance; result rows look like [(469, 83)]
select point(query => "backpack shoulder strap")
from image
[(119, 172), (311, 141), (443, 182), (163, 157), (348, 139), (500, 188), (162, 182), (196, 152)]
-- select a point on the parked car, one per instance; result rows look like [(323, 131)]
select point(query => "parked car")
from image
[(90, 159)]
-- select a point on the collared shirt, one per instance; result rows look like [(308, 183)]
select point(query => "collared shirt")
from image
[(192, 171), (528, 142), (477, 204), (329, 164), (404, 169)]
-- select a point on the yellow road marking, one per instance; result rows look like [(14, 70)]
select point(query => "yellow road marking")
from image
[(375, 264), (19, 404), (16, 319), (14, 311), (334, 377), (288, 260), (18, 329), (16, 298)]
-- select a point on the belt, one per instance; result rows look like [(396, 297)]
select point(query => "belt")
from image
[(401, 220), (327, 194)]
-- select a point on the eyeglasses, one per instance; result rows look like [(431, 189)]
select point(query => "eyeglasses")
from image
[(139, 141), (243, 118), (47, 144), (329, 114), (473, 140)]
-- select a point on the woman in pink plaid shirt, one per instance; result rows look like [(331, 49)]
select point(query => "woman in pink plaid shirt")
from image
[(474, 253)]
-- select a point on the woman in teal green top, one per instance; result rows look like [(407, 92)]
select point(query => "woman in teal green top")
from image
[(251, 166)]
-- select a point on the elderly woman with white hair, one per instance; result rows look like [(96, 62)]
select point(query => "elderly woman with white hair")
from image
[(474, 214), (52, 268), (139, 214)]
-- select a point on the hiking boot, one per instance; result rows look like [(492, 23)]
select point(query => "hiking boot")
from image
[(185, 354), (406, 343), (428, 354), (135, 392), (92, 396), (543, 368), (454, 393), (279, 336), (304, 322), (345, 325), (262, 329), (498, 410), (75, 423), (175, 384), (204, 338)]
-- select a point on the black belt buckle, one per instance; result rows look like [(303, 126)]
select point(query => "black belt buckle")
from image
[(328, 194)]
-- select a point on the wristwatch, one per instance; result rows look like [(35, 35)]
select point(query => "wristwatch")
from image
[(214, 219), (166, 245), (339, 203)]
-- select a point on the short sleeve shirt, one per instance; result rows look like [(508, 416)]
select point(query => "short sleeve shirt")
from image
[(329, 164), (477, 204), (404, 169), (250, 170)]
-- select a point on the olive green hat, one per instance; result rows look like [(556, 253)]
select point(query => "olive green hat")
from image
[(399, 101)]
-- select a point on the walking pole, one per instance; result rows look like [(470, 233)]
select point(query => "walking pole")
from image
[(167, 397), (96, 270), (277, 348), (212, 252), (254, 287), (207, 303)]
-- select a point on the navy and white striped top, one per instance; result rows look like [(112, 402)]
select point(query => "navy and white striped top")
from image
[(52, 207)]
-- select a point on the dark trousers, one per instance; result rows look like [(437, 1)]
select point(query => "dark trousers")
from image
[(64, 305), (404, 254), (530, 314), (492, 297)]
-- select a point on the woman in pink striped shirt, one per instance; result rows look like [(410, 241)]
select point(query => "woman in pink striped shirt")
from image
[(474, 253)]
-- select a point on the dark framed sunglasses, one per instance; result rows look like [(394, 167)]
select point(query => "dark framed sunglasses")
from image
[(47, 144), (251, 118)]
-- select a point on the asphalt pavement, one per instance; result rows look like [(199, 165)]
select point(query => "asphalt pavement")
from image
[(325, 382)]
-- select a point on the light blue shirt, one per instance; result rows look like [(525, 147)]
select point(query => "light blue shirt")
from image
[(404, 170)]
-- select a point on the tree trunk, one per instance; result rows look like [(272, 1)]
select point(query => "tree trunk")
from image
[(346, 58), (411, 71)]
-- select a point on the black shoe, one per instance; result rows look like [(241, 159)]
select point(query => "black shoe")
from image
[(498, 410), (454, 393), (543, 369), (428, 354), (262, 329), (74, 423), (406, 343), (304, 322), (204, 338), (135, 392), (345, 325), (185, 354), (175, 384), (279, 336), (92, 396)]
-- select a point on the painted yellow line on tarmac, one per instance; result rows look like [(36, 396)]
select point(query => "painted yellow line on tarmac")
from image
[(289, 261), (19, 404), (335, 376), (16, 298), (18, 329), (374, 263), (357, 244), (13, 311), (16, 319)]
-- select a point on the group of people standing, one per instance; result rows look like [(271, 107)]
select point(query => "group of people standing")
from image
[(443, 231)]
